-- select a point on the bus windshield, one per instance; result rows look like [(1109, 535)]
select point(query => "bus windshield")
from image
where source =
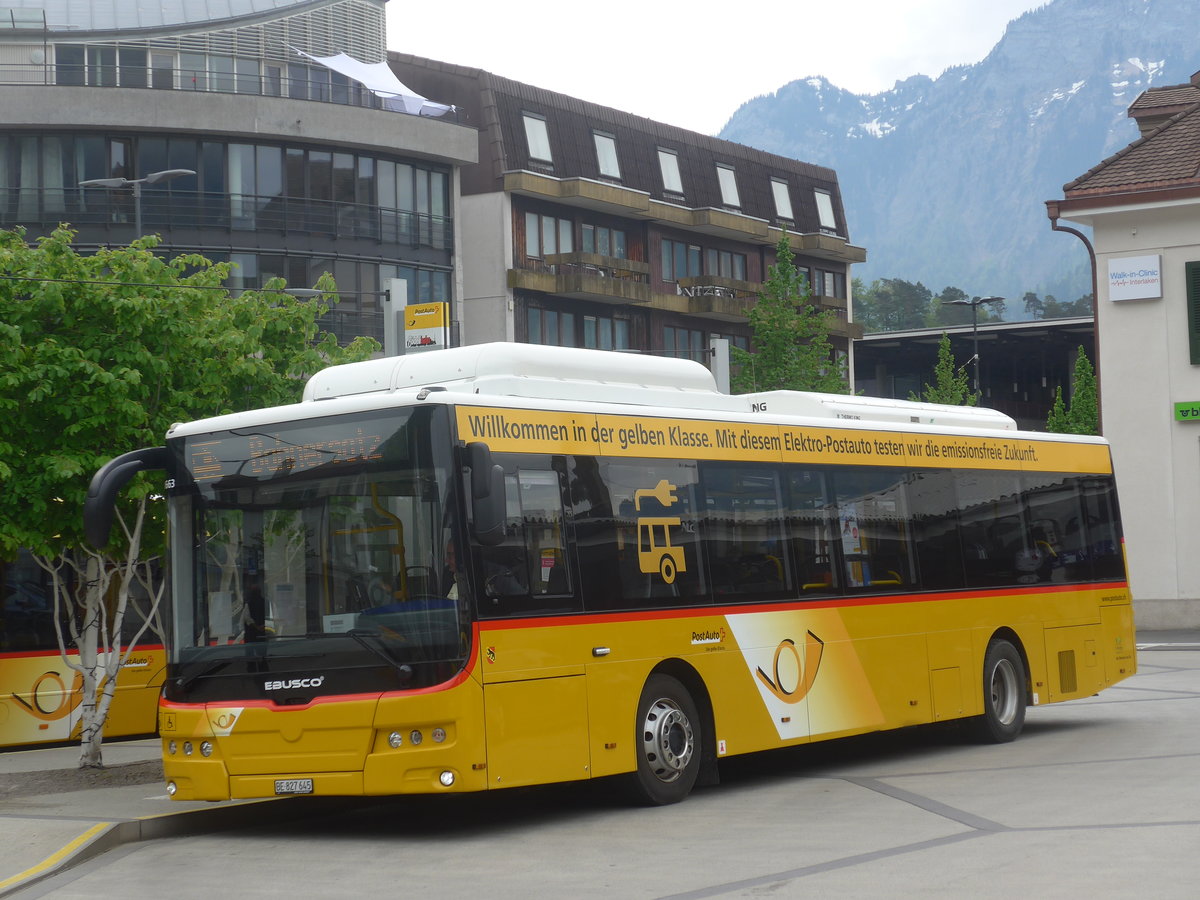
[(321, 559)]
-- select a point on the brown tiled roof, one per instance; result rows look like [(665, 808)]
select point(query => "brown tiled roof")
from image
[(1168, 95), (1168, 157)]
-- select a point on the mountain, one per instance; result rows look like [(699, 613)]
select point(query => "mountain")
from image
[(944, 180)]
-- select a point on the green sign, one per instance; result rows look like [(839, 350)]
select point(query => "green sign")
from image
[(1187, 412)]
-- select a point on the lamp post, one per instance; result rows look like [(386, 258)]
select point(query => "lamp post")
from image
[(136, 185), (974, 303)]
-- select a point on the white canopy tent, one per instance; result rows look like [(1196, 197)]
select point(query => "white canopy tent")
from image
[(380, 80)]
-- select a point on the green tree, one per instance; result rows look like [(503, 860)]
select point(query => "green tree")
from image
[(950, 382), (790, 337), (1082, 416), (99, 354), (900, 304)]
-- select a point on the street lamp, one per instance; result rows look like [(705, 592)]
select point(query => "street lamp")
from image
[(136, 185), (974, 303)]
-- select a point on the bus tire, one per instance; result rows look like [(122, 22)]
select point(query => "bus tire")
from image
[(1003, 695), (668, 742)]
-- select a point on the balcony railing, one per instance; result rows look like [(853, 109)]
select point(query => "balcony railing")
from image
[(115, 210), (274, 79)]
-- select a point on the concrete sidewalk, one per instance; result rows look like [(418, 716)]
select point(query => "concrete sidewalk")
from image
[(45, 833)]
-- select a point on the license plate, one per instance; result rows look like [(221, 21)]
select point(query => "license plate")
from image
[(293, 786)]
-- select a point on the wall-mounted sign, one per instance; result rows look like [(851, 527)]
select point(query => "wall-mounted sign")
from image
[(1187, 412), (426, 327), (1135, 278)]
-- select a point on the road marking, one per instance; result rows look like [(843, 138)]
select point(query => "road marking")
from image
[(55, 858)]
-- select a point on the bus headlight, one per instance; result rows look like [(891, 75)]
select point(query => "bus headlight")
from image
[(171, 788), (206, 748), (439, 735), (446, 778), (187, 748), (171, 747), (395, 740), (416, 737)]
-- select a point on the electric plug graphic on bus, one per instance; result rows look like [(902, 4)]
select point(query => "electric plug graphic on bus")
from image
[(656, 553)]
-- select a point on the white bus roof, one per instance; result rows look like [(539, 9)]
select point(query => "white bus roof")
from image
[(602, 376)]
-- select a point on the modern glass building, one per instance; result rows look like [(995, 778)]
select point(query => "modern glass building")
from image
[(273, 160)]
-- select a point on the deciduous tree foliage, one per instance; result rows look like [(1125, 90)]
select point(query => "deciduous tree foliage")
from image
[(791, 337), (99, 355)]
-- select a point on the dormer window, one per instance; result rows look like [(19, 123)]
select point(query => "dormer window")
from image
[(825, 211), (668, 164), (606, 155), (783, 199), (537, 137), (729, 190)]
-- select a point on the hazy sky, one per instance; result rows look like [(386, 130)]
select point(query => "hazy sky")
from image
[(693, 64)]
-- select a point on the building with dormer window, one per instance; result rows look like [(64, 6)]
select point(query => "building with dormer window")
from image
[(587, 226)]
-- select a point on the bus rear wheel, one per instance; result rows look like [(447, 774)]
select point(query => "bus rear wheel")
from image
[(1003, 695), (668, 742)]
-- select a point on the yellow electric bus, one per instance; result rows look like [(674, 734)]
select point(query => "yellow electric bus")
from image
[(40, 693), (507, 565)]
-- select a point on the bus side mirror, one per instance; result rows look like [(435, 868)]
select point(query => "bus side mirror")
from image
[(99, 507), (488, 506)]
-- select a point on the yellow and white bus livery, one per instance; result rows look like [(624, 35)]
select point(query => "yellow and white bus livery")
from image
[(506, 565)]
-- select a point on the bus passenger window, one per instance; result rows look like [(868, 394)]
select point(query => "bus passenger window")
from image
[(933, 502), (873, 528), (529, 572), (744, 532), (637, 535), (810, 518)]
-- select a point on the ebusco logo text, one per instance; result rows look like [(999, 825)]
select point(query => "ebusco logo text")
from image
[(294, 684)]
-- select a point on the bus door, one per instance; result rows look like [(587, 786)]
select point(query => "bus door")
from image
[(532, 662)]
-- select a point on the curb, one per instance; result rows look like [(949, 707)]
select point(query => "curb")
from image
[(104, 836)]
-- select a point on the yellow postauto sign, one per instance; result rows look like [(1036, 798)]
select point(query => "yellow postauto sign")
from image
[(546, 431)]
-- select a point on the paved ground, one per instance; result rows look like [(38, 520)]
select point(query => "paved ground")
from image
[(53, 817)]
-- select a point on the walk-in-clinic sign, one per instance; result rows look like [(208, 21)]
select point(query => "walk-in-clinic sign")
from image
[(1135, 278)]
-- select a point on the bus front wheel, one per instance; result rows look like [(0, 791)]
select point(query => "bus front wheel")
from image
[(668, 742), (1003, 695)]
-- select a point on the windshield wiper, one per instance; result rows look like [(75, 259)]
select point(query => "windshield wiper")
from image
[(371, 639)]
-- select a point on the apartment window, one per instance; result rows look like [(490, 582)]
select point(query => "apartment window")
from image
[(668, 164), (537, 137), (829, 284), (549, 326), (783, 200), (684, 343), (606, 154), (825, 211), (726, 264), (605, 333), (604, 241), (728, 181), (545, 235), (679, 260)]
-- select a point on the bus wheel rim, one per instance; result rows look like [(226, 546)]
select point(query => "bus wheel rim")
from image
[(668, 742), (1003, 690)]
